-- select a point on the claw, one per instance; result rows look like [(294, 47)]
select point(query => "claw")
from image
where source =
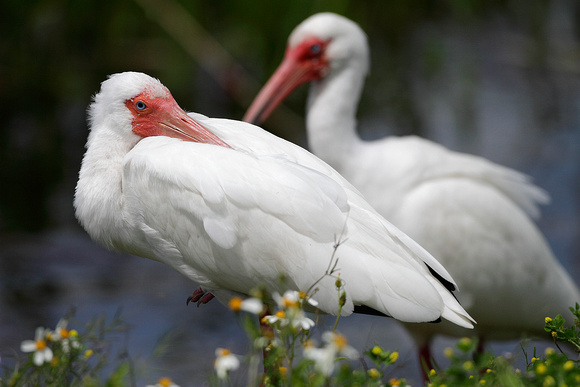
[(200, 296)]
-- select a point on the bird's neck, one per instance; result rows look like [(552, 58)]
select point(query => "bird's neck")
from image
[(98, 197), (331, 115)]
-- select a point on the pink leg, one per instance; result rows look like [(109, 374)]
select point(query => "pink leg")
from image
[(200, 296)]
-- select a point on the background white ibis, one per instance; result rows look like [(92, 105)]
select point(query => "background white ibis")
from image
[(231, 206), (473, 215)]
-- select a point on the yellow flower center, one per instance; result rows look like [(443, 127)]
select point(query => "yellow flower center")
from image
[(165, 382), (40, 345), (235, 304), (224, 352), (395, 382), (340, 341), (64, 333), (281, 314), (289, 303)]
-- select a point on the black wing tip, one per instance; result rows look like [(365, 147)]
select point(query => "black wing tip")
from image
[(363, 309), (448, 285)]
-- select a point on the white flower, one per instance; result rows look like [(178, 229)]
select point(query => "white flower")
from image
[(42, 353), (250, 305), (225, 361), (295, 317), (280, 317), (164, 382), (301, 321), (324, 358), (67, 337), (292, 299)]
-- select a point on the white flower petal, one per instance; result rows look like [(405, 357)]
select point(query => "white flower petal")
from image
[(349, 352), (47, 353), (39, 334), (38, 358), (224, 364), (312, 301), (28, 346), (252, 305)]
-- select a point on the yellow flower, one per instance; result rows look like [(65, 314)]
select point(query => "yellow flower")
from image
[(394, 356), (549, 351), (376, 350), (395, 382), (541, 369), (569, 365), (468, 366), (549, 381), (548, 320), (283, 370), (554, 335), (465, 342), (432, 372), (374, 373), (88, 353), (448, 352), (535, 359), (482, 382)]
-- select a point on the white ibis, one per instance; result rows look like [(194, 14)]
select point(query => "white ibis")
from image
[(474, 216), (231, 207)]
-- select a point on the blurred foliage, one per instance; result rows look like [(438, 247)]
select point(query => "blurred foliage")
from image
[(54, 54)]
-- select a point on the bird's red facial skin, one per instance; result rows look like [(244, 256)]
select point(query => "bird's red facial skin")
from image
[(311, 53), (304, 63), (162, 116)]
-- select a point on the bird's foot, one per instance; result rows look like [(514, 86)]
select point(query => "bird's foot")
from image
[(200, 296)]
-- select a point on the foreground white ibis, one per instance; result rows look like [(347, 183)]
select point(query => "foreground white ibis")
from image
[(231, 207), (474, 216)]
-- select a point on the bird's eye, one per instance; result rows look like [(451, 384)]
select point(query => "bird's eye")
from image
[(315, 49), (140, 105)]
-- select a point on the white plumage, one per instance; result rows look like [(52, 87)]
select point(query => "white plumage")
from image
[(474, 216), (231, 207)]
